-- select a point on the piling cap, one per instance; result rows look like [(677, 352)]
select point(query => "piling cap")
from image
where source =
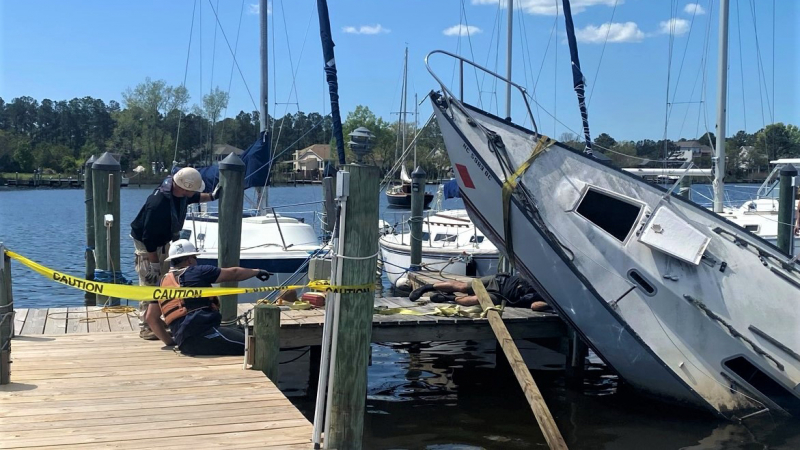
[(106, 162), (788, 171), (90, 161), (418, 173), (233, 163)]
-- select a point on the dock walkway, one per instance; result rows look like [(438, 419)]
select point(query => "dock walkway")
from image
[(301, 328), (114, 390)]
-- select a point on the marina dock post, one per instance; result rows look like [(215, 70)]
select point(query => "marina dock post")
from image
[(786, 218), (266, 328), (106, 179), (6, 317), (231, 202), (347, 392), (417, 208), (89, 297), (685, 190), (328, 206)]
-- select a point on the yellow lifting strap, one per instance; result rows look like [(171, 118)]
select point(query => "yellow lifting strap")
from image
[(510, 184)]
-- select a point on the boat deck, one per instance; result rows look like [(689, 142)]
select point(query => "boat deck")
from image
[(114, 390)]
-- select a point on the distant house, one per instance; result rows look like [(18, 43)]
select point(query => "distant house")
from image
[(689, 150), (745, 153), (310, 161), (221, 151)]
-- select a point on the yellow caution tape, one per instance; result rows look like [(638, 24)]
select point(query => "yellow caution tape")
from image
[(151, 293)]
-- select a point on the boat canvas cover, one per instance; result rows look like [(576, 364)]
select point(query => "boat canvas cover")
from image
[(256, 162)]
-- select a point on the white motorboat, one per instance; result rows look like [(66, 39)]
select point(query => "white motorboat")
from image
[(450, 243), (682, 303), (279, 244)]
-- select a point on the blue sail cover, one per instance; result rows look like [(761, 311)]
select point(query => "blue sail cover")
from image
[(256, 162), (330, 75), (451, 189), (578, 80)]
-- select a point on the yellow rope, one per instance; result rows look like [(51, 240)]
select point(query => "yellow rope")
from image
[(510, 185)]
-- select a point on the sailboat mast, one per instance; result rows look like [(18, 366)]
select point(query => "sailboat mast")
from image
[(262, 194), (508, 56), (722, 91), (404, 100), (416, 124)]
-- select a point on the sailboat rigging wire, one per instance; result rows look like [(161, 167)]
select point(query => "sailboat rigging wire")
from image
[(683, 59), (762, 78), (603, 51), (667, 106), (233, 55), (741, 63), (183, 85), (210, 121), (230, 77), (471, 51), (390, 174)]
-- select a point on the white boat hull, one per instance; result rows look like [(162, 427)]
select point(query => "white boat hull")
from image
[(660, 343)]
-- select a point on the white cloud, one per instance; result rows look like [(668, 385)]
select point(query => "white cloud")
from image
[(549, 7), (366, 29), (694, 8), (616, 32), (461, 30), (253, 8), (676, 27)]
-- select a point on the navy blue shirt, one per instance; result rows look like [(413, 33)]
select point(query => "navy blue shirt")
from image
[(199, 321)]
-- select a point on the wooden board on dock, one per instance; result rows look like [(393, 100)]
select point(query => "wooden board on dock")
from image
[(117, 390)]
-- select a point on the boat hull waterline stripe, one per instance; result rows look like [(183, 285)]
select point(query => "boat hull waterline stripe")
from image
[(151, 293)]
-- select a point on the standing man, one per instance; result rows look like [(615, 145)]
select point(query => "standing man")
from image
[(195, 322), (160, 221)]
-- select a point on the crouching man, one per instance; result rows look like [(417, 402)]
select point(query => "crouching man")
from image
[(195, 322)]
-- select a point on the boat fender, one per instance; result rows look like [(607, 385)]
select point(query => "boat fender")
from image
[(402, 283)]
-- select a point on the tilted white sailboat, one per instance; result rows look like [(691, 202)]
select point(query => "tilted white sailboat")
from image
[(682, 303)]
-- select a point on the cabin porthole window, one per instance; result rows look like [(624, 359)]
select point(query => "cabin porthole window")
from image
[(612, 214), (641, 282)]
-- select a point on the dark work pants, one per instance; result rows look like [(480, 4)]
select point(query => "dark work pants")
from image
[(218, 341)]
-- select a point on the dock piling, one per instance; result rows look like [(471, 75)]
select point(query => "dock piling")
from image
[(231, 202), (350, 349), (786, 219), (267, 325), (417, 208), (106, 179), (6, 317), (89, 297)]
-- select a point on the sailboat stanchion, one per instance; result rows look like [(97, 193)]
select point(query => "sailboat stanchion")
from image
[(417, 207), (786, 207), (231, 202), (89, 298), (350, 347)]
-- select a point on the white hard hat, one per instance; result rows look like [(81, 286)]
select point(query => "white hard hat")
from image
[(181, 249), (189, 178)]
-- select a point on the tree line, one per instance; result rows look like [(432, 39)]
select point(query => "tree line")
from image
[(155, 123)]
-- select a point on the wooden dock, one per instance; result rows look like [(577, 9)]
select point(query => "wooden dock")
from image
[(115, 390), (301, 328)]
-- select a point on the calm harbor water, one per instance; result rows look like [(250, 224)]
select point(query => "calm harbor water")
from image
[(436, 395)]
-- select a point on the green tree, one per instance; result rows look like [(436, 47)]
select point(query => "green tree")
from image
[(604, 141), (778, 141)]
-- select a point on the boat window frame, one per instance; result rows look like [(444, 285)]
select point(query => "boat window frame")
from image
[(632, 201)]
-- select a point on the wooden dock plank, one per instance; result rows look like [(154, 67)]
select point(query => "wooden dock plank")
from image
[(34, 322), (55, 321), (77, 320), (83, 390), (19, 319), (123, 322), (97, 320)]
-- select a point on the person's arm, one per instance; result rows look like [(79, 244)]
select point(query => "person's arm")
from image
[(201, 198), (153, 318), (241, 274)]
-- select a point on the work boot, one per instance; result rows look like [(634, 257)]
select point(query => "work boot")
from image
[(442, 298), (146, 333), (417, 293)]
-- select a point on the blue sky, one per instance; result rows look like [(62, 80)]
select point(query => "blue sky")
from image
[(64, 49)]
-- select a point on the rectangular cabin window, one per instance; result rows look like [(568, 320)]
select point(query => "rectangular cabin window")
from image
[(446, 237), (475, 239), (615, 216), (751, 228)]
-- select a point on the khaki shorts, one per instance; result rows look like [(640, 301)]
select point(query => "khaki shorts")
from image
[(141, 262)]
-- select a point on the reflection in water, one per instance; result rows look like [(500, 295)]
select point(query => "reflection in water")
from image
[(449, 395)]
